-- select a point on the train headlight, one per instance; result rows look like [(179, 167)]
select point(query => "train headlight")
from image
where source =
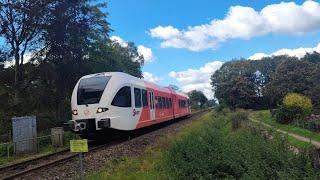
[(100, 110), (75, 112)]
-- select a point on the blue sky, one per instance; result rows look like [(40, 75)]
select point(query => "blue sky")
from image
[(276, 26)]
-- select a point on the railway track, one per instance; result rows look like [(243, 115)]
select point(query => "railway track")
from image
[(18, 170)]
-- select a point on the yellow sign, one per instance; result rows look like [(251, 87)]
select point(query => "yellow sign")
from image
[(79, 145)]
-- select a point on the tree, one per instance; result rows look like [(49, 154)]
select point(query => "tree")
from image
[(233, 84), (293, 75), (20, 26), (74, 41), (70, 30), (197, 99), (244, 83)]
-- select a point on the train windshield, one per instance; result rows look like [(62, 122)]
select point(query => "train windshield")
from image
[(90, 89)]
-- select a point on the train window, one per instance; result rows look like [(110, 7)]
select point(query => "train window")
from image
[(167, 103), (123, 97), (90, 89), (170, 103), (137, 97), (163, 100), (144, 98), (184, 103), (160, 102)]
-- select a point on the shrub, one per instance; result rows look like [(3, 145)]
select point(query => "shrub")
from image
[(283, 115), (220, 107), (239, 118), (215, 153), (298, 102), (295, 107)]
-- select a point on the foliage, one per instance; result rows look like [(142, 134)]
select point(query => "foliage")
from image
[(74, 41), (263, 84), (300, 76), (295, 107), (212, 152), (207, 149), (197, 99), (297, 101), (240, 83), (284, 115), (220, 107), (20, 27), (239, 119), (265, 117)]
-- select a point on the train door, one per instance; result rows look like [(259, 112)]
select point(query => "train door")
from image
[(174, 103), (151, 105)]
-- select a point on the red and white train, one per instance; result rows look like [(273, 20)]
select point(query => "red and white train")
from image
[(115, 100)]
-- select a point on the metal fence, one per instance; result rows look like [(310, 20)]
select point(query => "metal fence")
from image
[(41, 144)]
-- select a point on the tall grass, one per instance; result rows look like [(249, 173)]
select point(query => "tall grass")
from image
[(210, 149), (213, 151)]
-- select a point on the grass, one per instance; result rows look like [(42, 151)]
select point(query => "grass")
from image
[(24, 157), (45, 148), (265, 116), (150, 164), (211, 149), (298, 144)]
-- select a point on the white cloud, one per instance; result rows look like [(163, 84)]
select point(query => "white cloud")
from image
[(299, 52), (164, 32), (197, 79), (150, 77), (142, 50), (119, 40), (146, 53), (244, 23)]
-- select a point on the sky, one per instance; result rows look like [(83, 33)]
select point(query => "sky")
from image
[(184, 42)]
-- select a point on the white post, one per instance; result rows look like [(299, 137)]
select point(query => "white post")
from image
[(81, 165)]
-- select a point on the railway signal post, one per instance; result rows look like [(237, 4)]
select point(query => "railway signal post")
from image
[(79, 146)]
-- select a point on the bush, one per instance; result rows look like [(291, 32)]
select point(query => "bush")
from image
[(212, 152), (239, 118), (283, 115), (220, 107), (295, 107), (298, 102)]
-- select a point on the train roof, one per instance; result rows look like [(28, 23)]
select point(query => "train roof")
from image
[(129, 78)]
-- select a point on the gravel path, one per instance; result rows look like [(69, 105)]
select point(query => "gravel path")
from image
[(296, 136), (96, 160)]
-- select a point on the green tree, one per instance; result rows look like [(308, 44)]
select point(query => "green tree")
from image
[(197, 99), (74, 42), (293, 75), (70, 29), (20, 26), (244, 83), (233, 85)]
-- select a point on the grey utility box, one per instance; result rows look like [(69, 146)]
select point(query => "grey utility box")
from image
[(24, 132), (57, 136)]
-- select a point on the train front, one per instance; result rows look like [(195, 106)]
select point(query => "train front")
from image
[(88, 108)]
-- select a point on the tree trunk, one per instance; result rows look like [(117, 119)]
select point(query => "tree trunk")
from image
[(16, 77)]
